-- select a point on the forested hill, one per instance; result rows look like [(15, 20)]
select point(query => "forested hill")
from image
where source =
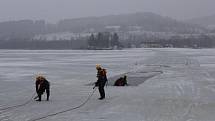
[(25, 29), (206, 20), (145, 21)]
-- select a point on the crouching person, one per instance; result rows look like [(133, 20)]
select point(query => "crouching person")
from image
[(122, 81), (42, 85)]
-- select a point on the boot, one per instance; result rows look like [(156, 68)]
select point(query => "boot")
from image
[(101, 98), (39, 98)]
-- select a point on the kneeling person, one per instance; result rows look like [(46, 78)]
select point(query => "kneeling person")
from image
[(122, 81)]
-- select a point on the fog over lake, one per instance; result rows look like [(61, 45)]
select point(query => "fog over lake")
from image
[(54, 10)]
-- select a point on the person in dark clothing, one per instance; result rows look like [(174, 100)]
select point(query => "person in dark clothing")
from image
[(122, 81), (102, 79), (42, 85)]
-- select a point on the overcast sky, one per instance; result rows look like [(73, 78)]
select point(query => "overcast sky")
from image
[(54, 10)]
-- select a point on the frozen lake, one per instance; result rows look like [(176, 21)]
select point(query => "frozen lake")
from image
[(79, 65), (183, 89)]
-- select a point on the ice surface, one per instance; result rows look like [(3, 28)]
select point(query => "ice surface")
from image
[(180, 88)]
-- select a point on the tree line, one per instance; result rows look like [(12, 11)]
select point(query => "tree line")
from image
[(101, 40), (41, 44), (201, 41), (104, 40)]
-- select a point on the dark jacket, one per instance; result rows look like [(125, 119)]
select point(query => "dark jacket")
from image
[(42, 85), (121, 81), (102, 78)]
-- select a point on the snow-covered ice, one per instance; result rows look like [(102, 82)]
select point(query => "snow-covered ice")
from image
[(167, 84)]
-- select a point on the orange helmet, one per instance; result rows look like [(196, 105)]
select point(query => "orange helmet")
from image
[(98, 66)]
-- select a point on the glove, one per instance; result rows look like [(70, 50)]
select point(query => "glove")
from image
[(96, 84)]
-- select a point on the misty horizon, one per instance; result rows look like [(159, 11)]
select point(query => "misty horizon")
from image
[(53, 11)]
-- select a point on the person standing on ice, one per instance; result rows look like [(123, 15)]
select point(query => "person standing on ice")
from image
[(42, 85), (102, 79)]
